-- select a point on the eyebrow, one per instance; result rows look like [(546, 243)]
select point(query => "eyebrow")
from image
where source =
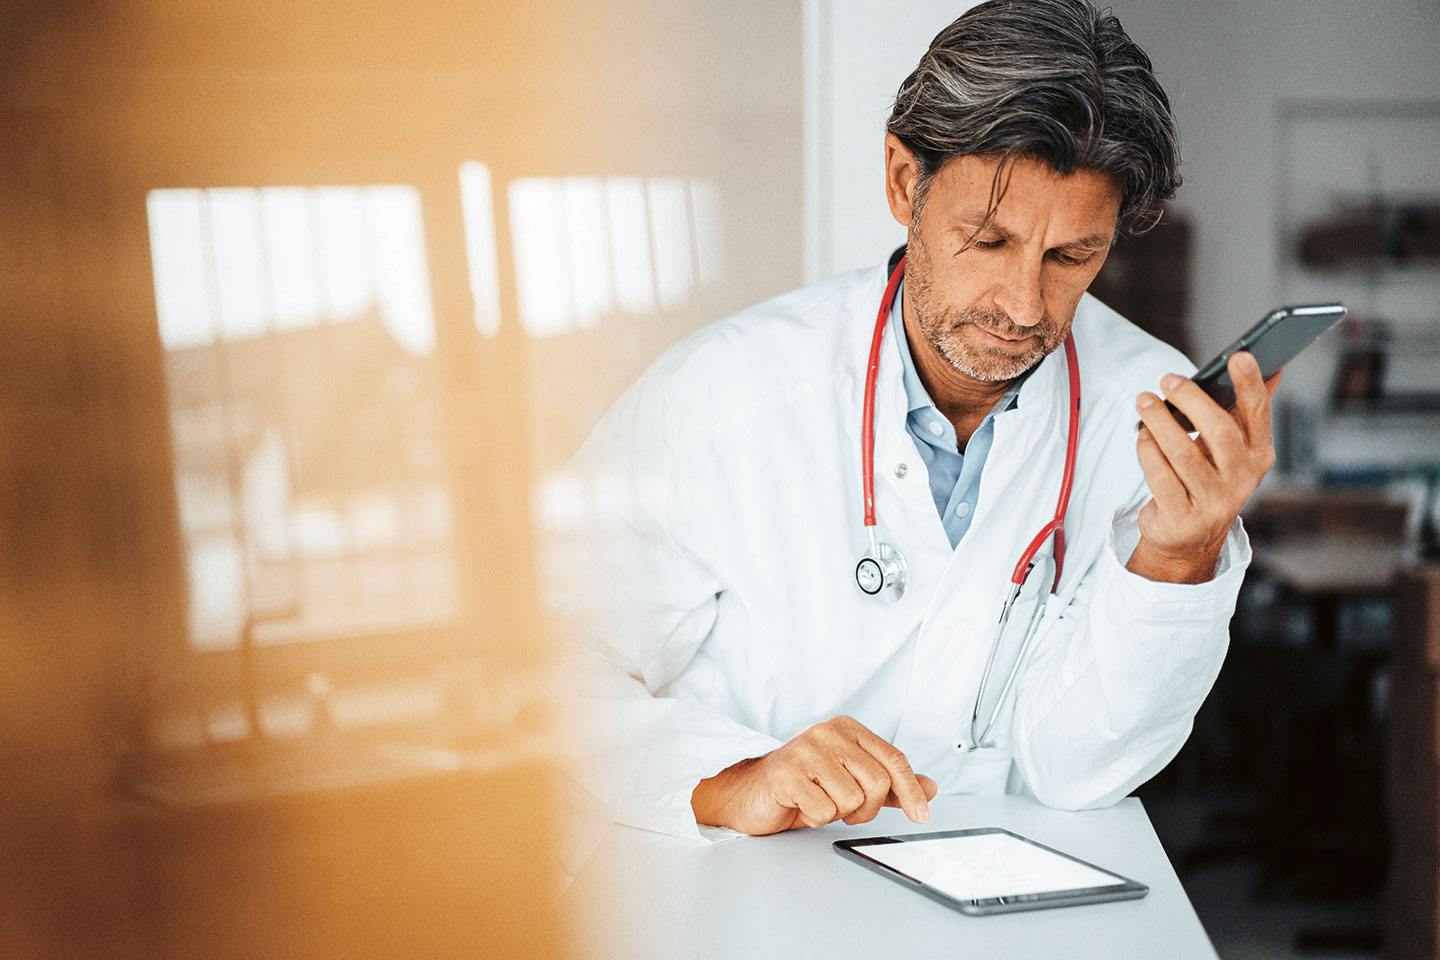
[(1097, 241)]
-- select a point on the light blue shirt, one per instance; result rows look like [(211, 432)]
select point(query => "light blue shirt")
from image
[(954, 477)]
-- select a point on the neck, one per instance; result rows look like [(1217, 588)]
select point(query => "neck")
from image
[(960, 398)]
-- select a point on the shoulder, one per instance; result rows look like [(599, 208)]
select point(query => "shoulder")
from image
[(1117, 358), (747, 366), (755, 359)]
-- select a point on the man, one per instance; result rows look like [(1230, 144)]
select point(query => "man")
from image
[(738, 678)]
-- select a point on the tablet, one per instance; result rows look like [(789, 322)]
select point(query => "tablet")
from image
[(988, 870)]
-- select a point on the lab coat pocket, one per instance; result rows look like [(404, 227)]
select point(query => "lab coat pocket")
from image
[(1054, 608), (1050, 639)]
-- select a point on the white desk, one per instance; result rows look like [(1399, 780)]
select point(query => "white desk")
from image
[(791, 896)]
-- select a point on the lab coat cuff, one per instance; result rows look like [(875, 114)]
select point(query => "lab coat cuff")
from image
[(725, 754), (1215, 596)]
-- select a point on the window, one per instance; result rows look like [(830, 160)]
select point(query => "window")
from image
[(587, 248), (311, 470)]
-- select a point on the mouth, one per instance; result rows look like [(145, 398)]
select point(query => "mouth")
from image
[(1000, 341)]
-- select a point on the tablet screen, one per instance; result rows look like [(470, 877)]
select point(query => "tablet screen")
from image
[(981, 866)]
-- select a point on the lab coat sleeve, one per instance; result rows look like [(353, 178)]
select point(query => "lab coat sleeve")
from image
[(1111, 693), (632, 620)]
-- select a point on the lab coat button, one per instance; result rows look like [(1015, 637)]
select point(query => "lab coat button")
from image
[(900, 471)]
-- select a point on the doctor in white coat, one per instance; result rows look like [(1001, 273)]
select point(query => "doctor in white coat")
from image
[(736, 676)]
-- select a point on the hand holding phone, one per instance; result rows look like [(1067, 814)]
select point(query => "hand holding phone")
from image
[(1198, 484)]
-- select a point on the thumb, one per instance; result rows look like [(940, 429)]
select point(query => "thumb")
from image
[(930, 787), (926, 784)]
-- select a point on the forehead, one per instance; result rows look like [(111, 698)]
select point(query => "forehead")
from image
[(1037, 199)]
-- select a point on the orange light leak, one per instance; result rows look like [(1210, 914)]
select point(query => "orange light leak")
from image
[(306, 307)]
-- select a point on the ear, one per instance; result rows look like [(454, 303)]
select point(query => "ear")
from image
[(902, 171)]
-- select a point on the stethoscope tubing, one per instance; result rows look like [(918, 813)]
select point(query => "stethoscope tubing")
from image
[(1067, 479), (977, 740), (872, 375)]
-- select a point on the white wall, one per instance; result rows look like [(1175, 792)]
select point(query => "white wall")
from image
[(857, 53), (1228, 66)]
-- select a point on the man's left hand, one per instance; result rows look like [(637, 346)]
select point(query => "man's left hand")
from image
[(1198, 486)]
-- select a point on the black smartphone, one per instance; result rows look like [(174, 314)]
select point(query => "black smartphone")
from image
[(1275, 341)]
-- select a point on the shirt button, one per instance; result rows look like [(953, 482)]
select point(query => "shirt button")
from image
[(900, 471), (935, 428), (962, 509)]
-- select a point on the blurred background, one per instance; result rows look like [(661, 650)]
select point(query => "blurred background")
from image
[(305, 306)]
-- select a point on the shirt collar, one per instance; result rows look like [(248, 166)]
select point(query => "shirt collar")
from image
[(916, 396)]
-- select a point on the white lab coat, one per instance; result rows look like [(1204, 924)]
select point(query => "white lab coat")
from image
[(726, 522)]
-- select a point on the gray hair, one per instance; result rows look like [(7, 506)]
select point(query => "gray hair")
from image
[(1053, 80)]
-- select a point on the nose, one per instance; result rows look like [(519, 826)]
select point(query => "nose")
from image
[(1019, 296)]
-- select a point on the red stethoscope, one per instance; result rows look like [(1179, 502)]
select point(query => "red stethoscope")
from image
[(882, 570)]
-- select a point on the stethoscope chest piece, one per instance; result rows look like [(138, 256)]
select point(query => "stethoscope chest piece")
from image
[(882, 571)]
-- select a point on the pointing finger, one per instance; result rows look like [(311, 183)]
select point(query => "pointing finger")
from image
[(903, 782)]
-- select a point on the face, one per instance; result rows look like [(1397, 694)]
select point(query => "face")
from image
[(999, 306)]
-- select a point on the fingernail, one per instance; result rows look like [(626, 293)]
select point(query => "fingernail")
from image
[(922, 812), (1169, 382), (1145, 400)]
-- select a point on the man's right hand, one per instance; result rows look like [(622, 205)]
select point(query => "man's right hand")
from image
[(836, 770)]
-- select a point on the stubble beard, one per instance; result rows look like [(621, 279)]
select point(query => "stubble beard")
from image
[(942, 328)]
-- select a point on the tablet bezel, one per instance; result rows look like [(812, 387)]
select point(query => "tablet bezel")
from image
[(1127, 889)]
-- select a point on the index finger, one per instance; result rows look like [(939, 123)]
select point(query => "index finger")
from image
[(903, 782), (1218, 427)]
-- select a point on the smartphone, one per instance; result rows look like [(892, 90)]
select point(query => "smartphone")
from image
[(1275, 341)]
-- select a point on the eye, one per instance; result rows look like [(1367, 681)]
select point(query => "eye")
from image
[(986, 244), (1070, 261)]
